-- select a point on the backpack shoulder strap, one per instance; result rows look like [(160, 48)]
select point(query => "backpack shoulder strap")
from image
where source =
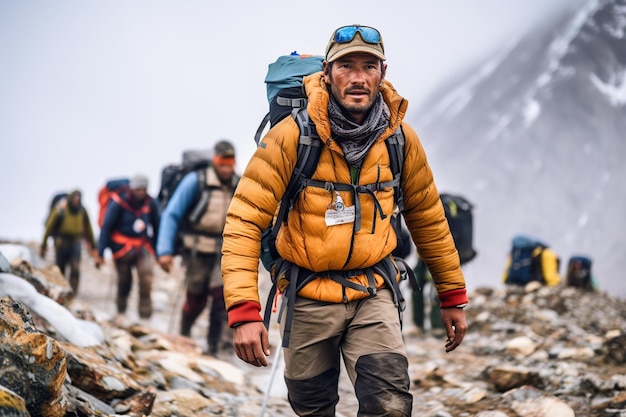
[(119, 199), (202, 174), (122, 198), (309, 150), (235, 180), (58, 221), (201, 203), (395, 147), (86, 220), (309, 146), (259, 131)]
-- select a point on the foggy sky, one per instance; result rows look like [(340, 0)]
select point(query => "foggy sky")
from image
[(96, 90)]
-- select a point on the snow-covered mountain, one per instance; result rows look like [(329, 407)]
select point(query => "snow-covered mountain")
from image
[(536, 138)]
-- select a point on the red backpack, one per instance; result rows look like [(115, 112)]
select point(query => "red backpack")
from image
[(105, 195)]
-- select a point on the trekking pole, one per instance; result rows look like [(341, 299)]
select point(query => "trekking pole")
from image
[(182, 286), (277, 358), (112, 285), (179, 292)]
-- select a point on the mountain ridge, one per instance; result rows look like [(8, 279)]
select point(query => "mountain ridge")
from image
[(532, 137)]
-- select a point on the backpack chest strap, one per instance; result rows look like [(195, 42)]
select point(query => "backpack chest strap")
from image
[(355, 190), (137, 211)]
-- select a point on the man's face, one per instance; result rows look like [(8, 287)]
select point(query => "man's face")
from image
[(75, 201), (354, 80), (224, 171), (139, 194)]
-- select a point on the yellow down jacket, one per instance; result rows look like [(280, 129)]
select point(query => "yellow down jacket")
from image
[(306, 240)]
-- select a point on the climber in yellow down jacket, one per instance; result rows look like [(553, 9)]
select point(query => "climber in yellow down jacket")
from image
[(340, 241)]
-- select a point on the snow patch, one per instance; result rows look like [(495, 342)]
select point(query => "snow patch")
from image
[(614, 89), (617, 28), (558, 48), (14, 251), (77, 331), (532, 110)]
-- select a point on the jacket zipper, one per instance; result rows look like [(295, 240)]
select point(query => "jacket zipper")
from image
[(354, 177)]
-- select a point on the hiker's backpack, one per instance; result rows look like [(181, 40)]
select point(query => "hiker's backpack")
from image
[(579, 273), (105, 194), (58, 201), (285, 92), (173, 174), (460, 219), (405, 243), (286, 96), (531, 260)]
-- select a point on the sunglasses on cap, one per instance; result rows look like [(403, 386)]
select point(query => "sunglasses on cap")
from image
[(345, 34)]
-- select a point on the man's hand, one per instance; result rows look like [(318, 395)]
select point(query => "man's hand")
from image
[(98, 260), (454, 321), (166, 262), (252, 343)]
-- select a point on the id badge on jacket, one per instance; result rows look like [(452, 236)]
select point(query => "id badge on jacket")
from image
[(338, 213)]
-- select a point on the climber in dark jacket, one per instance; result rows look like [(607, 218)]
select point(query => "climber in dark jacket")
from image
[(129, 229)]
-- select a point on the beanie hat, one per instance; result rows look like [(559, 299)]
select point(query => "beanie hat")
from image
[(138, 181)]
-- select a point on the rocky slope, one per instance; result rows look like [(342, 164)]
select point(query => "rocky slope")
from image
[(532, 351)]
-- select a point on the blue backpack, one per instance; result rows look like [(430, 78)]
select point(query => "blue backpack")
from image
[(525, 261), (579, 273)]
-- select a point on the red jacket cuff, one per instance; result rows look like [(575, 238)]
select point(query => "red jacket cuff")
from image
[(453, 298), (244, 312)]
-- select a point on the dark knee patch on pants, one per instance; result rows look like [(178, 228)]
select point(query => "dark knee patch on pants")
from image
[(315, 396), (194, 304), (382, 385)]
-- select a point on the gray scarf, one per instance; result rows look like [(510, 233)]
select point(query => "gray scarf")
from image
[(356, 140)]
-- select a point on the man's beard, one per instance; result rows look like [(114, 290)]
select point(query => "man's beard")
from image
[(350, 109)]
